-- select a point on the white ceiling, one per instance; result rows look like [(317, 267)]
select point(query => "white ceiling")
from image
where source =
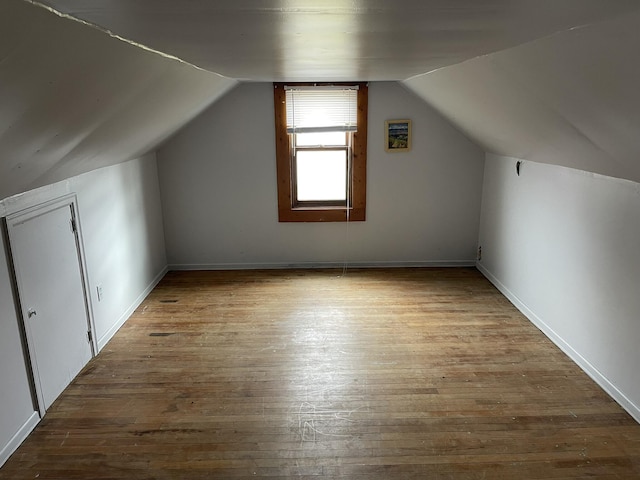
[(571, 99), (73, 99), (287, 40), (520, 78)]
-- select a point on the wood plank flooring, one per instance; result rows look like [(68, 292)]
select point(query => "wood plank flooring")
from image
[(376, 374)]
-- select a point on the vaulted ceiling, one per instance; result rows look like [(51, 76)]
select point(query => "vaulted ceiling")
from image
[(287, 40), (570, 99), (73, 99), (89, 84)]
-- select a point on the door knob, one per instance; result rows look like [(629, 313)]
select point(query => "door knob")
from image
[(31, 312)]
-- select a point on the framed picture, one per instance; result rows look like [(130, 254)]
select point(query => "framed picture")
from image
[(397, 135)]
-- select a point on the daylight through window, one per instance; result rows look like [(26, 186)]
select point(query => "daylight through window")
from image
[(321, 151)]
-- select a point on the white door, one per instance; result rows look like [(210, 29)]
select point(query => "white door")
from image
[(48, 267)]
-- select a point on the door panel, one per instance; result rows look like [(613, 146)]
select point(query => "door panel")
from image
[(52, 297)]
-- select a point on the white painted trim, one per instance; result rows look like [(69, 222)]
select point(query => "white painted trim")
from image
[(20, 436), (274, 266), (582, 362), (38, 196), (19, 217), (85, 274), (102, 341)]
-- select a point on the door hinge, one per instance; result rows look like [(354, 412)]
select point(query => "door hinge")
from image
[(89, 339), (73, 226)]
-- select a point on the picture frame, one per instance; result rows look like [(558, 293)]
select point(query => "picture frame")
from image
[(397, 135)]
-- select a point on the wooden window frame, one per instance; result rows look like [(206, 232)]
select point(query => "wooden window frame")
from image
[(287, 211)]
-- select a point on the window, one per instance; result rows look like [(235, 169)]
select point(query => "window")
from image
[(321, 150)]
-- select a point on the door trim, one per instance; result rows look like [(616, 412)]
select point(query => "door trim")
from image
[(18, 218)]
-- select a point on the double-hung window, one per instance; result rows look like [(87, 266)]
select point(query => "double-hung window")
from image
[(321, 138)]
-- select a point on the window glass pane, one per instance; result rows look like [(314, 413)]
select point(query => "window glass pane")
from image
[(321, 175), (321, 139)]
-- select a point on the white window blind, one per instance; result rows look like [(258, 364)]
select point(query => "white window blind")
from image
[(321, 109)]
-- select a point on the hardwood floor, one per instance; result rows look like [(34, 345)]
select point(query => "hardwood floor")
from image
[(379, 374)]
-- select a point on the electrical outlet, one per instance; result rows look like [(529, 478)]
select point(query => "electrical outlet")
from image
[(99, 291)]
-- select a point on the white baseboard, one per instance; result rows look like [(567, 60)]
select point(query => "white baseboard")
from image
[(19, 437), (102, 341), (582, 362), (275, 266)]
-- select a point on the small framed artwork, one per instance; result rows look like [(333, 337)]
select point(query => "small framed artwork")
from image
[(397, 135)]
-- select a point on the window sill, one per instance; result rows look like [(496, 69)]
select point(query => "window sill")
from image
[(321, 214)]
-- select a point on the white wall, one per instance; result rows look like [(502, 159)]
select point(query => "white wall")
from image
[(218, 186), (122, 229), (121, 222), (18, 414), (562, 244)]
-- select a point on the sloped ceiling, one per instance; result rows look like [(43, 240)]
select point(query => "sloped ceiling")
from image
[(310, 40), (570, 99), (73, 99), (547, 80)]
